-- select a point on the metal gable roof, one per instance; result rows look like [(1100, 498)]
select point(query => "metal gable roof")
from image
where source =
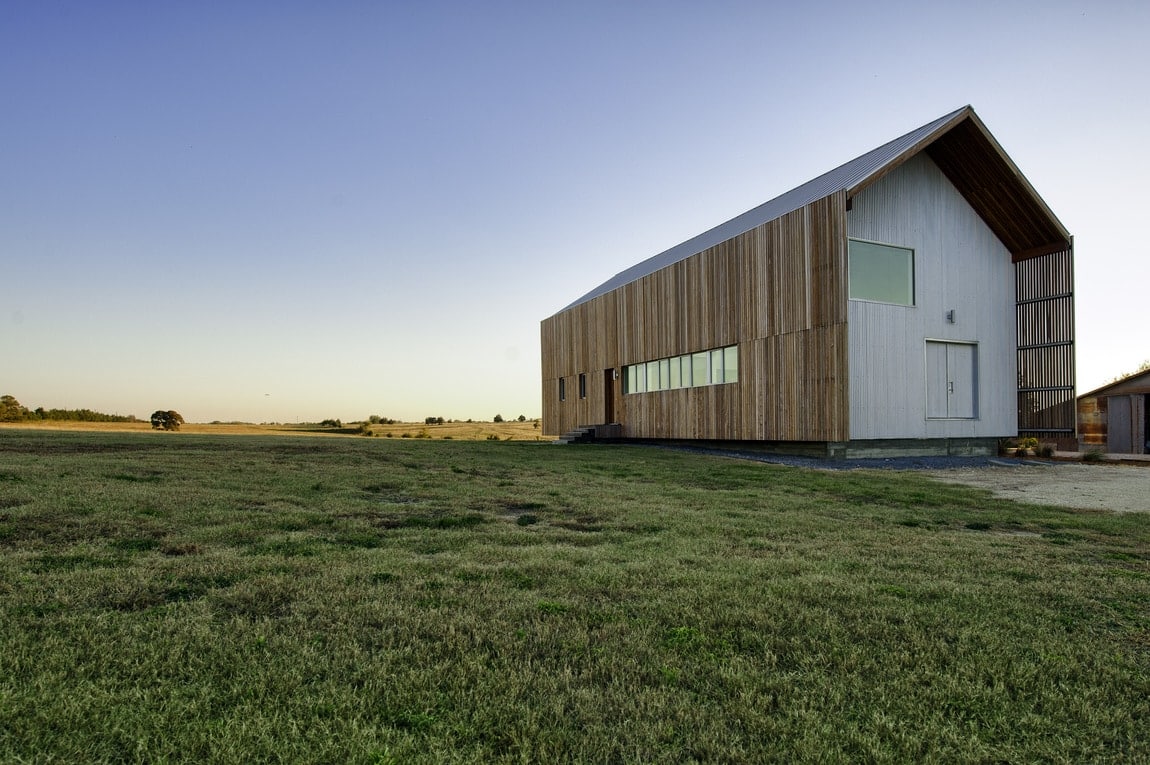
[(1041, 231)]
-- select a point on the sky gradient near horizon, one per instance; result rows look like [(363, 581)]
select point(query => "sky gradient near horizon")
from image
[(291, 211)]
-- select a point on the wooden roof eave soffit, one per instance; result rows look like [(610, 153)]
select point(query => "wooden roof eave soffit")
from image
[(1061, 240)]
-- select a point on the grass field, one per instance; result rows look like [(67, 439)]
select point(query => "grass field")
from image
[(201, 598)]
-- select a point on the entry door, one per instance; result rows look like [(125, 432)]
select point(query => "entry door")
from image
[(951, 380), (1139, 418), (1119, 425), (1146, 424)]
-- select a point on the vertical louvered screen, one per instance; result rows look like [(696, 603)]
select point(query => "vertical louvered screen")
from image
[(1044, 289)]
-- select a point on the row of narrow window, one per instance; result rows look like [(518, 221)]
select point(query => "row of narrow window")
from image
[(582, 387), (691, 370)]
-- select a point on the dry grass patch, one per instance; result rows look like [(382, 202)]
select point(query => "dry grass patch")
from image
[(462, 431)]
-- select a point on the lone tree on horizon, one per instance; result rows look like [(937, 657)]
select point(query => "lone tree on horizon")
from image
[(10, 409), (169, 420)]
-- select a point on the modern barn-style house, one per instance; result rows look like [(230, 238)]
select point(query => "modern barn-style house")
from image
[(918, 299)]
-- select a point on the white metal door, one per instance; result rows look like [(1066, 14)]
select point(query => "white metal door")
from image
[(961, 373), (951, 380), (936, 381)]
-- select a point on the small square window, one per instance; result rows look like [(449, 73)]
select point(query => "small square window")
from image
[(881, 273)]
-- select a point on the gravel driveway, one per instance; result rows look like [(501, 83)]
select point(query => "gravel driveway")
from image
[(1119, 488)]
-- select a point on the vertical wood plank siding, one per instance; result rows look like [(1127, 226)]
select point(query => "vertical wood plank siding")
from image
[(1092, 415), (778, 291), (1044, 290)]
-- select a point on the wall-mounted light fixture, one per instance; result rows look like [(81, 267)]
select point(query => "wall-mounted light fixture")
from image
[(950, 316)]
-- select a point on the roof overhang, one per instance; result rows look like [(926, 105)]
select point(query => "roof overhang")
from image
[(972, 160)]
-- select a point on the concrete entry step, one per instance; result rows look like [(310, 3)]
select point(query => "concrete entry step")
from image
[(577, 436), (588, 433)]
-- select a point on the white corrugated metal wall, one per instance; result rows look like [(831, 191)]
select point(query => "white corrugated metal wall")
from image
[(960, 266)]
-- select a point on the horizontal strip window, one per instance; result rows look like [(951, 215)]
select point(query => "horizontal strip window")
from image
[(717, 366)]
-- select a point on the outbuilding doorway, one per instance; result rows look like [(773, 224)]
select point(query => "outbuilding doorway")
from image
[(1129, 424)]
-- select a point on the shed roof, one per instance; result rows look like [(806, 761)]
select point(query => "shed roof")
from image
[(964, 151), (1137, 383)]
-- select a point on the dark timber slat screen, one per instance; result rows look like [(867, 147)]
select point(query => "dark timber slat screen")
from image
[(1044, 290)]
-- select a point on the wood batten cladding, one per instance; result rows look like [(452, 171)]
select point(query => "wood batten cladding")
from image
[(778, 291)]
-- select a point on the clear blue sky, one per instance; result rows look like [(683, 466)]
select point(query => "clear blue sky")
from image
[(281, 211)]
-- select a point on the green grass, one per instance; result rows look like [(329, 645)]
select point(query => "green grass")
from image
[(177, 597)]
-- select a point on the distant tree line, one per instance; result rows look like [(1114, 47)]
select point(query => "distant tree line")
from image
[(12, 411)]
